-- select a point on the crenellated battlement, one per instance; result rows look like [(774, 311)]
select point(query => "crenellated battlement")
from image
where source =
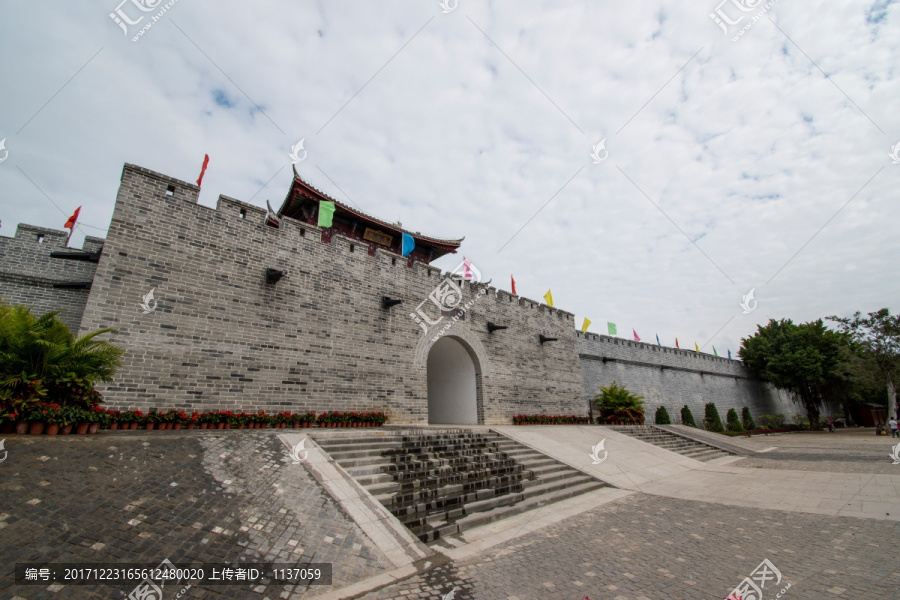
[(223, 333), (234, 210)]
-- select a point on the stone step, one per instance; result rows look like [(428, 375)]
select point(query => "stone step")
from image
[(673, 442), (537, 501), (438, 483)]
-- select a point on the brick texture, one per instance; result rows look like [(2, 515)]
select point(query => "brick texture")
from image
[(672, 378), (221, 337), (27, 273)]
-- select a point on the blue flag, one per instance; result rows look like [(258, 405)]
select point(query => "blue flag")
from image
[(729, 355), (657, 340), (409, 243)]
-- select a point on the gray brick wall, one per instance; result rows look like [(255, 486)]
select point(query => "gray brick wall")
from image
[(318, 339), (673, 378), (27, 273), (222, 338)]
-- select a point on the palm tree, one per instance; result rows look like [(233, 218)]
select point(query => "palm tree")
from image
[(40, 358)]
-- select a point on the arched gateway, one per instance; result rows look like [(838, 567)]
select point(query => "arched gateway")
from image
[(452, 384), (455, 366)]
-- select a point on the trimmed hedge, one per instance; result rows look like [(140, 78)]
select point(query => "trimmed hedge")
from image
[(662, 416)]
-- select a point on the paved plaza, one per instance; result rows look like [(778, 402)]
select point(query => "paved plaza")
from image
[(677, 531)]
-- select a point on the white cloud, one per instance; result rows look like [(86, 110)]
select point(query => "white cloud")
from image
[(750, 149)]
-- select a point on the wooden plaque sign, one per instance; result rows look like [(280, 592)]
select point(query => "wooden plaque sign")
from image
[(379, 237)]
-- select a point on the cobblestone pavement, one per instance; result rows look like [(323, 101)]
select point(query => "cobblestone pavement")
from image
[(225, 496), (191, 497), (847, 451), (652, 548)]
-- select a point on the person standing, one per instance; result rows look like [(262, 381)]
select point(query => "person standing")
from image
[(894, 427)]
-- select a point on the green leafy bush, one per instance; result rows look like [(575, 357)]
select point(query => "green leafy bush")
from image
[(662, 416), (747, 419), (687, 417), (733, 422), (41, 362), (771, 421), (801, 420), (712, 421), (616, 403)]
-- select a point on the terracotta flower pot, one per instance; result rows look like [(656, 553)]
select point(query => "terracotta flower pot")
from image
[(113, 426), (65, 430), (51, 430), (240, 425), (93, 428), (204, 425), (133, 426), (191, 425), (36, 428), (148, 426), (81, 428), (22, 427), (176, 425), (224, 426), (9, 427)]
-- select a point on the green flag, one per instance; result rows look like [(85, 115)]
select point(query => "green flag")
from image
[(612, 328), (326, 213), (714, 351)]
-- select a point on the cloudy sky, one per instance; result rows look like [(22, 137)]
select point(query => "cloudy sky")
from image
[(736, 161)]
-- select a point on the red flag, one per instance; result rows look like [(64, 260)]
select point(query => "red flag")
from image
[(70, 224), (676, 343), (203, 170), (513, 284), (636, 337)]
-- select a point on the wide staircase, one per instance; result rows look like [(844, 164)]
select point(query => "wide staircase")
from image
[(671, 441), (441, 482)]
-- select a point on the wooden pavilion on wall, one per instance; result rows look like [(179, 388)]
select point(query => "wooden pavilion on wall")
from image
[(302, 203)]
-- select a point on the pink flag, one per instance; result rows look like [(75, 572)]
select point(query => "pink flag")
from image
[(468, 272), (636, 337)]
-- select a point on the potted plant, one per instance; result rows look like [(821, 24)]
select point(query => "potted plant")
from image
[(96, 417), (50, 417), (81, 422), (68, 416), (113, 417)]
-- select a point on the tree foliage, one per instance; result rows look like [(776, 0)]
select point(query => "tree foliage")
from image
[(874, 342), (802, 359)]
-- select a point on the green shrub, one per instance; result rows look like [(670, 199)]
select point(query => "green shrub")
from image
[(747, 419), (42, 362), (712, 421), (771, 421), (801, 420), (662, 416), (616, 403), (687, 417), (733, 423)]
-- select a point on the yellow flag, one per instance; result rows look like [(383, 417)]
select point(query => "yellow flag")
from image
[(696, 347), (585, 325), (548, 298)]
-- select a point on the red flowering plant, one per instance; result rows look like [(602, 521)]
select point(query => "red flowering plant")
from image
[(48, 413), (260, 418), (113, 416)]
